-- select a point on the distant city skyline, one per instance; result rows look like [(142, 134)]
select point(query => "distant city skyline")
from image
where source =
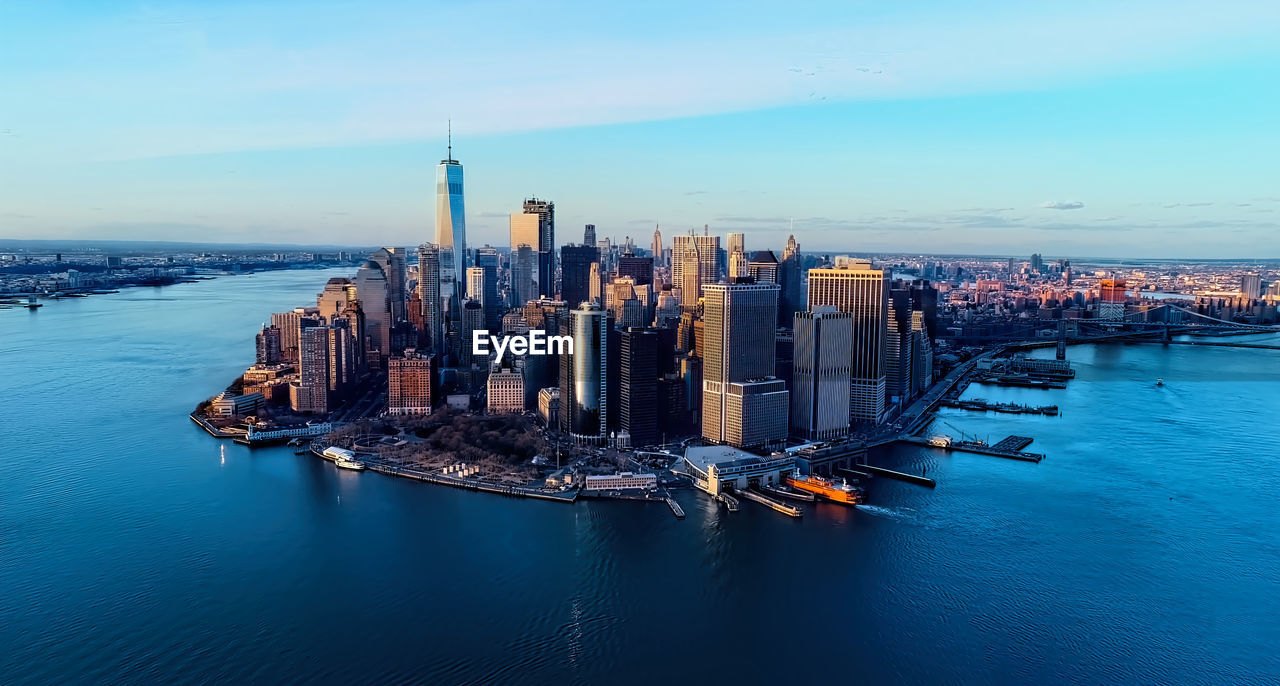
[(1091, 130)]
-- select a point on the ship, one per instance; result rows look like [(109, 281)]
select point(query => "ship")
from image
[(840, 492), (344, 463)]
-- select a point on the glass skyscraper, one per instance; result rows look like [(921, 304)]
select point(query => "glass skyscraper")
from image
[(451, 221)]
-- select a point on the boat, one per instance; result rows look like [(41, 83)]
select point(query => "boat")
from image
[(344, 463), (840, 492), (1159, 382)]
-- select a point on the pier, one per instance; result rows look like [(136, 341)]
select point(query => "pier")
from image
[(675, 507), (772, 504), (901, 476), (998, 450), (979, 405), (730, 502)]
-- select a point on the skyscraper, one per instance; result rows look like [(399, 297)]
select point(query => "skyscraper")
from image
[(638, 268), (311, 392), (409, 384), (589, 235), (737, 266), (1251, 285), (791, 279), (695, 261), (736, 242), (545, 212), (900, 348), (763, 267), (743, 404), (451, 221), (472, 321), (429, 295), (657, 247), (639, 385), (268, 345), (822, 355), (372, 291), (524, 274), (862, 290), (575, 273), (584, 377), (392, 261), (487, 259)]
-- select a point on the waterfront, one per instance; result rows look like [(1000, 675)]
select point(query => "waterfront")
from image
[(1144, 548)]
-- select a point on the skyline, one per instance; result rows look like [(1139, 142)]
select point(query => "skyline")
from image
[(1140, 131)]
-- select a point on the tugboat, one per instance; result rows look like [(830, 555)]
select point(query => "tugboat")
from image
[(825, 488)]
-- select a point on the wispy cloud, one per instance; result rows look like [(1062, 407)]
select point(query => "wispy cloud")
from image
[(1062, 205)]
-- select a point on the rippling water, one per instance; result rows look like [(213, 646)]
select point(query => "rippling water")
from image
[(1145, 549)]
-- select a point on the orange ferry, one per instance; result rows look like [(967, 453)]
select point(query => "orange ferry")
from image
[(840, 493)]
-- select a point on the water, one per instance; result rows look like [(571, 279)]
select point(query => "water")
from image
[(1145, 548)]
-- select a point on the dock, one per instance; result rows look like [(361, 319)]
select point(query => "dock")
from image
[(730, 502), (901, 476), (979, 405), (1000, 449), (789, 510), (1021, 382), (675, 507)]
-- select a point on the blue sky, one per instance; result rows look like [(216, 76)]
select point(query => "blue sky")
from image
[(1091, 128)]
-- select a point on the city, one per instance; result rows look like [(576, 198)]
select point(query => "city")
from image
[(639, 343), (687, 361)]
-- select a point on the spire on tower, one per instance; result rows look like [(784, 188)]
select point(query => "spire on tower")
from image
[(450, 125)]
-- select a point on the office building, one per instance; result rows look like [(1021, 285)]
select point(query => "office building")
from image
[(640, 269), (576, 273), (487, 259), (472, 320), (505, 391), (790, 277), (763, 267), (584, 377), (268, 345), (862, 290), (524, 275), (694, 263), (429, 296), (373, 294), (392, 262), (822, 357), (535, 227), (743, 404), (589, 234), (409, 384), (638, 393), (736, 243), (311, 392), (656, 247), (1111, 296), (1251, 285), (451, 221)]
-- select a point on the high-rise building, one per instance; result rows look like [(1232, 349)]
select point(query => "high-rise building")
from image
[(373, 293), (505, 391), (542, 226), (822, 355), (451, 221), (900, 348), (639, 385), (575, 273), (268, 345), (743, 404), (342, 358), (487, 259), (862, 290), (736, 243), (694, 263), (409, 384), (589, 235), (311, 392), (640, 269), (595, 284), (338, 293), (430, 296), (524, 275), (737, 266), (763, 267), (1251, 285), (392, 262), (1111, 296), (472, 321), (657, 247), (790, 277), (584, 377)]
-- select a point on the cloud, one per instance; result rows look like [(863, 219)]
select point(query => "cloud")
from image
[(695, 193), (1062, 205)]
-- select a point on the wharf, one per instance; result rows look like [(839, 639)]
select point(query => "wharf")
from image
[(675, 508), (789, 510), (901, 476), (1020, 382), (980, 448), (730, 502), (1013, 443), (1008, 408)]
